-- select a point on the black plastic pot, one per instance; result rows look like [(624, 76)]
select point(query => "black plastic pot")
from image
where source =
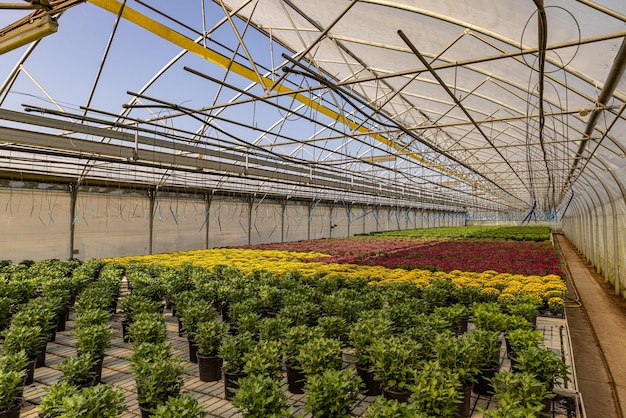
[(462, 326), (144, 409), (181, 327), (483, 386), (209, 368), (295, 379), (89, 383), (465, 404), (400, 396), (63, 316), (40, 361), (97, 369), (231, 383), (30, 372), (193, 350), (13, 412), (371, 385)]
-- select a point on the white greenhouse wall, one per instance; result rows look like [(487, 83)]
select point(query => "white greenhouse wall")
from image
[(296, 222), (34, 225), (320, 221), (266, 223), (178, 225), (228, 222), (108, 224), (599, 233), (37, 223)]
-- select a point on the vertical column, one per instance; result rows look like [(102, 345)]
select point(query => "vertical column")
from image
[(152, 196), (207, 214), (364, 216), (331, 225), (308, 217), (250, 204), (349, 215), (73, 187), (283, 209)]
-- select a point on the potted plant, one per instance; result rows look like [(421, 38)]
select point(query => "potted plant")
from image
[(294, 339), (6, 311), (302, 312), (247, 322), (27, 339), (208, 337), (148, 328), (454, 316), (526, 309), (520, 339), (183, 406), (191, 315), (78, 371), (50, 405), (487, 344), (488, 316), (32, 317), (17, 362), (232, 350), (459, 355), (100, 401), (362, 334), (319, 354), (331, 393), (395, 362), (333, 327), (260, 397), (391, 408), (518, 395), (133, 304), (556, 305), (435, 391), (264, 359), (544, 364), (158, 375), (10, 388), (94, 339), (272, 329), (92, 317)]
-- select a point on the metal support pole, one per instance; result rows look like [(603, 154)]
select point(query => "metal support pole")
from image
[(73, 187), (250, 205), (283, 209), (309, 220), (331, 225), (152, 196), (207, 214)]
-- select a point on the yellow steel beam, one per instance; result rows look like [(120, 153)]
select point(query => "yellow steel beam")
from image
[(182, 41)]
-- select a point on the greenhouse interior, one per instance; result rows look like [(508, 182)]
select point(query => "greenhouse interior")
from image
[(283, 208)]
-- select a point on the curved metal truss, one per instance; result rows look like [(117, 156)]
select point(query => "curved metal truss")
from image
[(498, 105)]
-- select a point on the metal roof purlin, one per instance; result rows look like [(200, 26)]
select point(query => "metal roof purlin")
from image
[(180, 40)]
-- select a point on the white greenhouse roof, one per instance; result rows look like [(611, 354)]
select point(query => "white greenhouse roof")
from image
[(498, 104)]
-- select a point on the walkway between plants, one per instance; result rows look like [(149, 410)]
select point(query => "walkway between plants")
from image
[(598, 332)]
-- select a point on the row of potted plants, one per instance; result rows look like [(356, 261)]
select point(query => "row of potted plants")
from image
[(305, 321), (36, 298)]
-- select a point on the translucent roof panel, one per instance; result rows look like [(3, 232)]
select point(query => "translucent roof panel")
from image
[(503, 104)]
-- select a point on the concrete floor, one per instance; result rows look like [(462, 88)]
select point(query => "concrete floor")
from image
[(597, 323)]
